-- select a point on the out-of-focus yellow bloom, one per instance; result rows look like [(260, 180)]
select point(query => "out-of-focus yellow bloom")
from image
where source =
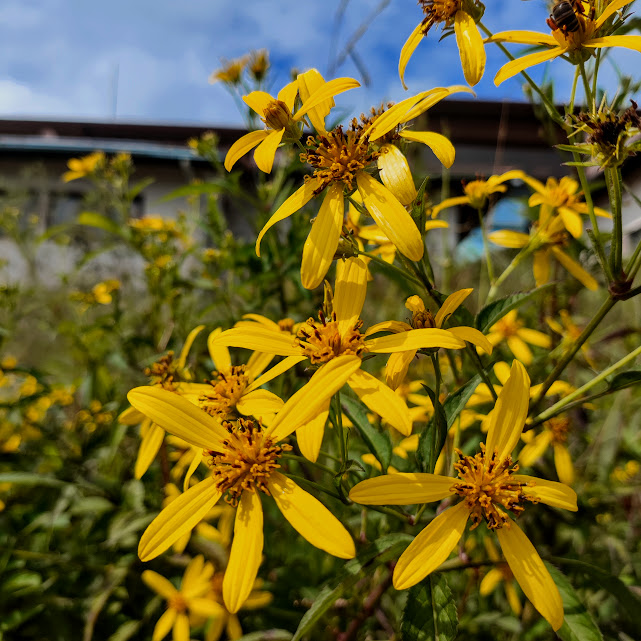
[(488, 486), (280, 121), (85, 166), (627, 472), (577, 45), (512, 330), (102, 291), (500, 573), (231, 71), (258, 64), (460, 14), (190, 600), (569, 332)]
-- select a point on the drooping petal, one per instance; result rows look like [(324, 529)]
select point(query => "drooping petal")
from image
[(611, 9), (563, 464), (388, 326), (308, 401), (534, 337), (541, 267), (443, 149), (549, 492), (520, 64), (628, 42), (325, 92), (572, 221), (242, 146), (259, 402), (510, 412), (131, 416), (189, 341), (309, 82), (429, 98), (322, 241), (490, 581), (149, 447), (511, 239), (310, 435), (181, 627), (159, 584), (218, 353), (295, 202), (575, 269), (381, 400), (431, 547), (535, 448), (246, 551), (396, 174), (266, 151), (426, 338), (349, 293), (164, 624), (257, 363), (310, 518), (470, 46), (449, 202), (519, 348), (277, 370), (397, 366), (471, 335), (531, 574), (178, 416), (260, 339), (450, 305), (193, 466), (402, 489), (180, 516), (524, 38), (390, 216), (408, 49)]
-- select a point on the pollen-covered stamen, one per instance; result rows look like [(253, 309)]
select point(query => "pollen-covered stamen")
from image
[(438, 11), (489, 488), (177, 602), (245, 461), (163, 372), (423, 319), (286, 325), (226, 391), (559, 428), (321, 342), (338, 157)]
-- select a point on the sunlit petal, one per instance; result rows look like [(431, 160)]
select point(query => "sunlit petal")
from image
[(520, 64), (408, 49), (402, 489), (277, 370), (325, 92), (259, 402), (310, 435), (189, 341), (242, 146), (149, 447), (471, 335), (443, 149), (525, 38), (388, 326), (534, 337), (266, 151), (511, 239), (471, 48), (164, 624), (395, 173), (309, 82), (218, 353), (572, 221), (397, 366), (549, 492), (490, 581), (260, 339), (349, 293), (563, 464), (575, 269), (258, 101), (427, 337), (519, 348), (159, 584), (628, 42), (288, 94)]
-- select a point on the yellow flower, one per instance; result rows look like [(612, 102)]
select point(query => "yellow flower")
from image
[(231, 72), (335, 336), (242, 458), (577, 45), (569, 332), (511, 329), (190, 599), (277, 115), (102, 291), (258, 64), (554, 433), (500, 572), (489, 488), (462, 15), (398, 363), (81, 167)]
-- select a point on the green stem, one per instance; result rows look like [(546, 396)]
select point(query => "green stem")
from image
[(390, 512), (516, 261), (486, 247), (569, 355), (437, 405), (302, 459), (558, 407), (589, 98), (401, 272), (634, 264), (303, 481), (478, 364), (613, 181), (577, 73), (587, 194)]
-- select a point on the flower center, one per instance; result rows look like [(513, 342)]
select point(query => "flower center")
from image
[(508, 327), (226, 391), (489, 488), (276, 115), (321, 342), (177, 602), (438, 11), (559, 428), (338, 157), (246, 460), (163, 372), (422, 319)]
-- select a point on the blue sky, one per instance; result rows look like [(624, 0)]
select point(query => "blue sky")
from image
[(59, 58)]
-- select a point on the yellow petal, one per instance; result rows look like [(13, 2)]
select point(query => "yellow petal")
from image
[(431, 547), (510, 412), (259, 402), (429, 98), (402, 489), (246, 551), (533, 451), (470, 46), (436, 224), (390, 216), (277, 370), (395, 173), (397, 366), (180, 516), (612, 8), (516, 66), (310, 400), (534, 337), (349, 293), (541, 267), (415, 339), (471, 335), (178, 416), (258, 101), (443, 149), (408, 49), (628, 42), (259, 339), (182, 359), (575, 269), (288, 94), (131, 416), (322, 242), (205, 608), (531, 574), (389, 326), (563, 464), (511, 239), (193, 466), (382, 400), (159, 584), (309, 82), (164, 624), (572, 221), (513, 598), (525, 38), (310, 435), (149, 447), (242, 146), (449, 202), (519, 348), (549, 492), (266, 151), (310, 518), (325, 92), (295, 202), (218, 353), (257, 363), (451, 304), (181, 627), (490, 581)]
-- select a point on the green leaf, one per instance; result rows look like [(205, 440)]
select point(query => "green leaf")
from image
[(625, 379), (94, 505), (267, 635), (578, 624), (15, 618), (377, 442), (430, 612), (432, 438), (380, 551), (456, 402), (139, 186), (125, 631), (29, 478), (197, 189), (493, 312), (94, 219)]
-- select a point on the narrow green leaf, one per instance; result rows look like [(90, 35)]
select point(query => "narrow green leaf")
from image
[(625, 379), (432, 438), (197, 189), (94, 219), (126, 631), (430, 612), (377, 442), (493, 312), (380, 551), (139, 186), (578, 624), (28, 478), (456, 402)]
